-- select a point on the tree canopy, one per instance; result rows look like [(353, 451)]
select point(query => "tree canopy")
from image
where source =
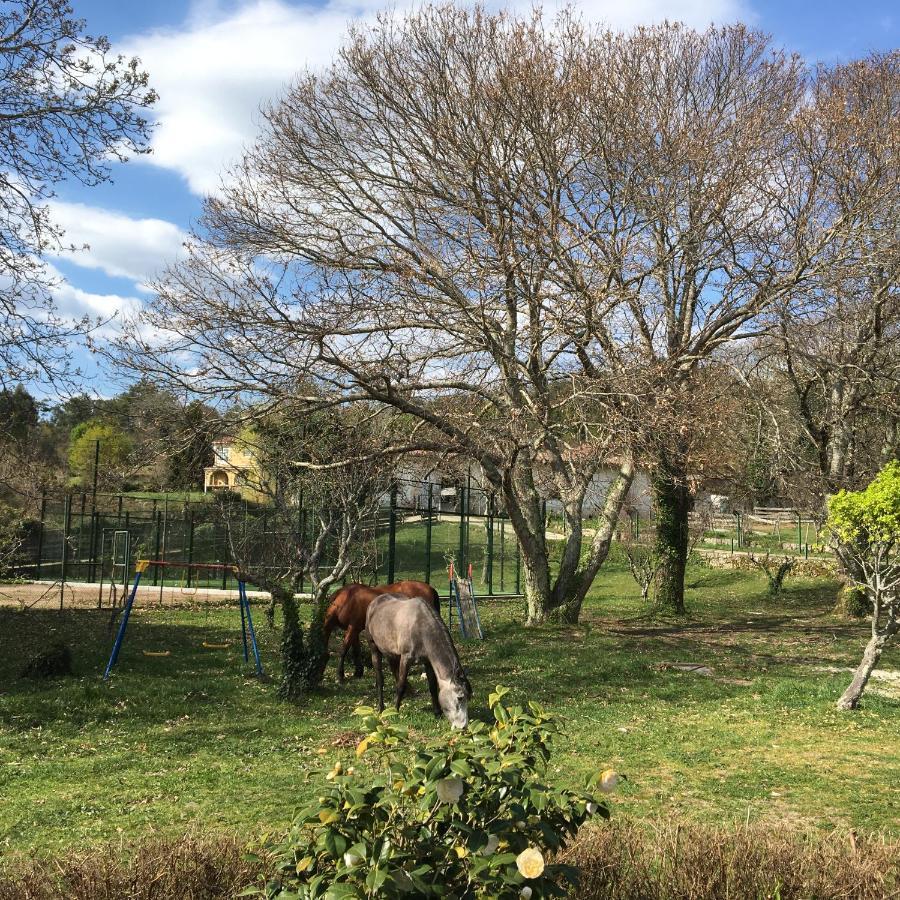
[(69, 108)]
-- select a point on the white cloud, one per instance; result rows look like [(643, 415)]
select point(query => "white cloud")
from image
[(216, 71), (117, 244), (72, 303)]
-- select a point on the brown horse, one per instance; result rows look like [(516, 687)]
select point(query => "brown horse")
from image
[(348, 610)]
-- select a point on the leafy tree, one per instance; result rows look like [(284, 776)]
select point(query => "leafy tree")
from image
[(114, 458), (68, 109), (190, 449), (18, 414), (865, 527)]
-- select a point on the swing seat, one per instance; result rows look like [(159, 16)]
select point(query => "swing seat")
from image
[(210, 646), (156, 652)]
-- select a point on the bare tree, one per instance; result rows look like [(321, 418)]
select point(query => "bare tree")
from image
[(527, 240), (68, 109), (642, 562), (835, 346), (411, 206)]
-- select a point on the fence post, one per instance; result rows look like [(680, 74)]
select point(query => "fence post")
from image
[(96, 529), (40, 546), (518, 568), (428, 536), (392, 535), (165, 541), (158, 517), (190, 547), (502, 555), (799, 532), (460, 562), (67, 525), (489, 549)]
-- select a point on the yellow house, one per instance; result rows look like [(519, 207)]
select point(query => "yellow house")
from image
[(234, 468)]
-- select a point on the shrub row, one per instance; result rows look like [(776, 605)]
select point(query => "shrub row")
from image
[(618, 861)]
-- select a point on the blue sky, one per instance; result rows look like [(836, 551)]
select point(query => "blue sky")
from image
[(214, 63)]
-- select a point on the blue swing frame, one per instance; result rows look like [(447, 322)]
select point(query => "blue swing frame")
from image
[(246, 618)]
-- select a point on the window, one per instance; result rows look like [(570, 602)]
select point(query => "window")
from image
[(223, 452)]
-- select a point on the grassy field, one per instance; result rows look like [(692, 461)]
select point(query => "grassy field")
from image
[(192, 742)]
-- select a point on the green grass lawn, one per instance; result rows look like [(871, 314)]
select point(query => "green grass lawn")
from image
[(193, 741)]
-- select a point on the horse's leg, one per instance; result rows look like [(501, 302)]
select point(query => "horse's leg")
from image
[(401, 678), (379, 676), (328, 628), (358, 668), (433, 688), (351, 634)]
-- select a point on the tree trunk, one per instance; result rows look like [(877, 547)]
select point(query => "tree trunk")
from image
[(671, 500), (851, 697), (561, 598), (536, 582), (583, 577)]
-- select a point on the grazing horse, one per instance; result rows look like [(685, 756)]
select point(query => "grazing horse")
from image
[(406, 630), (348, 608)]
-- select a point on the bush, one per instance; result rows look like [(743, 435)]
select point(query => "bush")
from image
[(467, 816), (853, 602), (55, 662), (189, 867), (679, 860)]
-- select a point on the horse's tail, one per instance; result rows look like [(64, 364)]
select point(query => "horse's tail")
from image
[(435, 600), (332, 617)]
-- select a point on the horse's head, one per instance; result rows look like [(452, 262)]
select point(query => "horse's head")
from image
[(453, 696)]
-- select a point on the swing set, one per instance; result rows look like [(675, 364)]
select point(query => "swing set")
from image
[(247, 631)]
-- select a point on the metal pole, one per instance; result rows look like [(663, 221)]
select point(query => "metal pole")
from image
[(190, 547), (112, 576), (158, 516), (242, 589), (165, 542), (78, 550), (40, 546), (428, 536), (127, 553), (123, 625), (392, 535), (460, 562), (94, 508), (490, 545), (518, 568), (67, 524), (502, 554)]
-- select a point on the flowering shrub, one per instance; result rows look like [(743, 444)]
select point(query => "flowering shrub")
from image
[(464, 816)]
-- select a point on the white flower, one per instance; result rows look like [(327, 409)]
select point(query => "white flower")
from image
[(491, 845), (525, 892), (609, 781), (449, 790), (352, 859), (530, 863)]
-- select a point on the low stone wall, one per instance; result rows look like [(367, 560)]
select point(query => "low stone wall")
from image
[(814, 567)]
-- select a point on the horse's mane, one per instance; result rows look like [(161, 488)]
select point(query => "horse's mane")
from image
[(448, 638)]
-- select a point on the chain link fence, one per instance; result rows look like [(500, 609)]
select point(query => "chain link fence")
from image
[(419, 529)]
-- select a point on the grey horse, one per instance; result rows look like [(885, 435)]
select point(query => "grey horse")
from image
[(406, 630)]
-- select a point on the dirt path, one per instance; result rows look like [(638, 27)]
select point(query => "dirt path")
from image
[(79, 595)]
